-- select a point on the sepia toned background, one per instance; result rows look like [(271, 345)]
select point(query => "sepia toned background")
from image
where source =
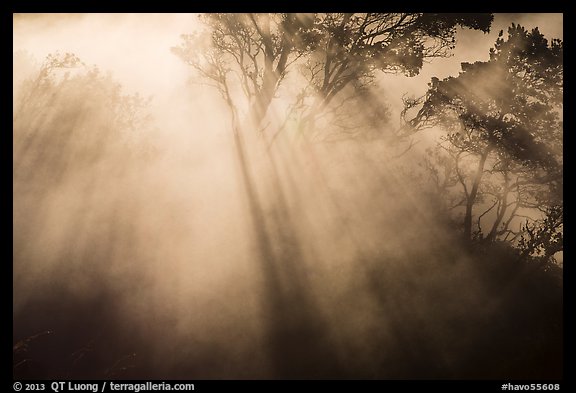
[(163, 231)]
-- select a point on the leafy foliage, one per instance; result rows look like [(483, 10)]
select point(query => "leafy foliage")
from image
[(504, 133), (251, 54)]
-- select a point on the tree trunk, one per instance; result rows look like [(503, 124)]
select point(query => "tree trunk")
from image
[(471, 199), (501, 212), (271, 74)]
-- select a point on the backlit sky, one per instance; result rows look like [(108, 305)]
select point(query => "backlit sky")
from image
[(136, 47)]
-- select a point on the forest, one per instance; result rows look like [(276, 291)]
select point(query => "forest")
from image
[(315, 196)]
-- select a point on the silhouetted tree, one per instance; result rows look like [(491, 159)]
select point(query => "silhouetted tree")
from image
[(66, 111), (351, 48), (504, 133), (247, 56)]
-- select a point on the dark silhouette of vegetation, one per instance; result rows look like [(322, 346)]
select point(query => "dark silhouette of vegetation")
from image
[(420, 301), (501, 159), (250, 55)]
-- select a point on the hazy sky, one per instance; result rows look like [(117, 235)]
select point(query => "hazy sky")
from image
[(136, 47), (165, 248)]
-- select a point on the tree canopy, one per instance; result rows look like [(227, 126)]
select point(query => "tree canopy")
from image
[(504, 117), (247, 56)]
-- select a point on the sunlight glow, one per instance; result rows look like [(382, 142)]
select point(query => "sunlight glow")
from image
[(250, 212)]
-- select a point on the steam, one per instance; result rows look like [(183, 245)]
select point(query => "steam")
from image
[(136, 237)]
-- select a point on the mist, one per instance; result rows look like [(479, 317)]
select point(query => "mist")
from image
[(152, 239)]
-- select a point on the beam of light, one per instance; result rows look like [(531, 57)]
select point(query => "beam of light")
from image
[(134, 236)]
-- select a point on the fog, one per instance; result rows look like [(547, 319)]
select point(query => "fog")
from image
[(141, 250)]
